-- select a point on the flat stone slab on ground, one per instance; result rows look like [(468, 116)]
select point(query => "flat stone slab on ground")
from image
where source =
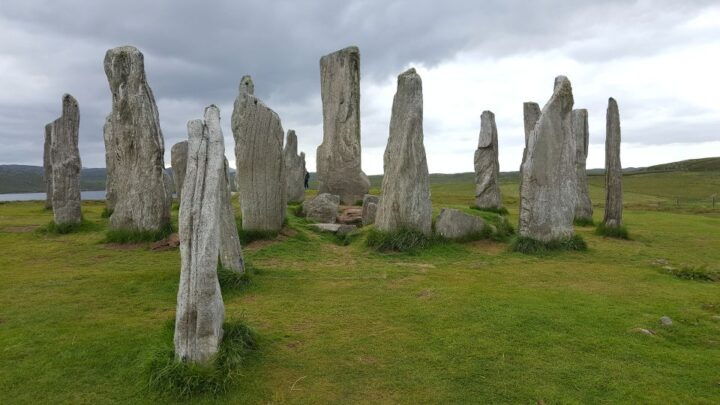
[(339, 229)]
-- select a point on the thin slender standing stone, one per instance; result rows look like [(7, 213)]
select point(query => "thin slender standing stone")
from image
[(583, 210), (134, 140), (178, 159), (405, 202), (613, 168), (294, 169), (339, 155), (549, 184), (487, 167), (200, 310), (531, 114), (65, 158), (110, 159), (260, 168), (231, 255), (47, 166)]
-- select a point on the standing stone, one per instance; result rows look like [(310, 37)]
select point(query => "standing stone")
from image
[(338, 156), (531, 114), (134, 135), (200, 310), (583, 209), (549, 184), (65, 161), (294, 169), (231, 255), (178, 159), (259, 158), (405, 202), (369, 209), (487, 167), (110, 159), (613, 168), (47, 166)]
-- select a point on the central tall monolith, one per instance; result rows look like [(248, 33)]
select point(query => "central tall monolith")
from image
[(583, 209), (65, 158), (613, 168), (487, 167), (294, 169), (338, 156)]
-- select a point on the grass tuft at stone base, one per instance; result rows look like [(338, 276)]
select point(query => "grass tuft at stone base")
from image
[(527, 245), (499, 211), (61, 229), (583, 222), (619, 232), (135, 236), (403, 240)]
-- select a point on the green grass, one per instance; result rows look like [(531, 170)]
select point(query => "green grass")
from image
[(106, 213), (527, 245), (499, 211), (61, 229), (403, 240), (699, 273), (584, 222), (619, 232), (135, 236), (231, 280), (450, 323)]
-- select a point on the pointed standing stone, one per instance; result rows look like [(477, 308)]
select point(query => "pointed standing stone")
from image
[(339, 156), (200, 310), (549, 184), (583, 210), (65, 160), (487, 167), (231, 255), (259, 159), (405, 202), (110, 159), (178, 159), (133, 134), (294, 169), (47, 166), (613, 168)]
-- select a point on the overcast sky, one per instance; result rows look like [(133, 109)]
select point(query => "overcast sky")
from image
[(659, 59)]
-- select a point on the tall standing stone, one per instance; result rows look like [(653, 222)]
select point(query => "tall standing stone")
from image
[(178, 159), (110, 159), (136, 140), (231, 255), (65, 158), (405, 202), (338, 156), (581, 132), (487, 167), (613, 168), (531, 114), (47, 166), (549, 184), (294, 169), (200, 310), (259, 159)]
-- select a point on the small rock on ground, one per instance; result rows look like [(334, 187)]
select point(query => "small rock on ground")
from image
[(666, 321)]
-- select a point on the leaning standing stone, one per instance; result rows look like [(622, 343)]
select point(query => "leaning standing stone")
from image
[(47, 166), (613, 168), (583, 209), (338, 157), (405, 202), (231, 255), (259, 158), (200, 310), (136, 139), (65, 158), (178, 159), (294, 169), (487, 167), (549, 183)]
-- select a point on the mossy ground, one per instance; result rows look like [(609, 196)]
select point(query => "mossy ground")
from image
[(452, 323)]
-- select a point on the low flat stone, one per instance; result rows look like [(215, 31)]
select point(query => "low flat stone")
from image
[(455, 224), (323, 208), (351, 215), (666, 321), (339, 229)]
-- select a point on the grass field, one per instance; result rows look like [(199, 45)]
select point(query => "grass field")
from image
[(456, 323)]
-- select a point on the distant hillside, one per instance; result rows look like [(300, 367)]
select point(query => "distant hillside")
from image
[(692, 165), (29, 179)]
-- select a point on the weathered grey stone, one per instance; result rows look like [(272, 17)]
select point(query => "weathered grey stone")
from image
[(200, 310), (65, 160), (338, 229), (487, 167), (110, 158), (47, 166), (369, 209), (583, 209), (323, 208), (134, 136), (178, 159), (294, 169), (666, 321), (455, 224), (338, 157), (259, 158), (531, 114), (613, 168), (169, 186), (405, 202), (549, 184), (231, 255)]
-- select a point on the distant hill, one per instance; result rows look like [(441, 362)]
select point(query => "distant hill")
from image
[(28, 179)]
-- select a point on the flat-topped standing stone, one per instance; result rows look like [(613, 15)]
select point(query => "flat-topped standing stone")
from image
[(581, 132), (65, 160), (178, 159), (110, 158), (613, 168), (405, 202), (200, 310), (549, 184), (487, 167), (47, 166), (231, 255), (338, 156), (259, 158), (135, 141), (294, 169), (531, 114), (369, 209)]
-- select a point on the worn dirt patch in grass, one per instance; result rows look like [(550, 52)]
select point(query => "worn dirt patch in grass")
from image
[(20, 229)]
